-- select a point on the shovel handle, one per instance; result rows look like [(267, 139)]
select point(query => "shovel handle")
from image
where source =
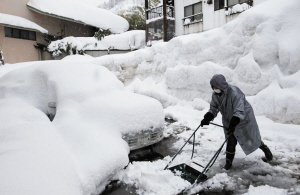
[(218, 125)]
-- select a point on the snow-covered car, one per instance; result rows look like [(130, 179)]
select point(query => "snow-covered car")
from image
[(135, 140), (81, 149)]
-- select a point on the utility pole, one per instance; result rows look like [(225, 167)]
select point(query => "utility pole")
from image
[(165, 20)]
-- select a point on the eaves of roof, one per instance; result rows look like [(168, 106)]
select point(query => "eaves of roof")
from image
[(56, 16)]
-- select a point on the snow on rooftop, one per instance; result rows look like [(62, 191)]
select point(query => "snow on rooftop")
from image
[(79, 12), (16, 21)]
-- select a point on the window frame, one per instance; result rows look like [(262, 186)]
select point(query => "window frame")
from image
[(17, 33), (192, 17)]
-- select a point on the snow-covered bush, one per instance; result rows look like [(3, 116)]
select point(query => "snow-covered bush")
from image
[(77, 45)]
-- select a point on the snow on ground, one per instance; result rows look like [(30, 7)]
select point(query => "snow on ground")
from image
[(11, 20), (130, 40), (82, 148), (249, 175), (81, 12)]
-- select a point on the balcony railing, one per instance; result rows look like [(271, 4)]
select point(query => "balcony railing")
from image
[(192, 19), (157, 12)]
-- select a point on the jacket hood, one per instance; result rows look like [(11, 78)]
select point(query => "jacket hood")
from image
[(219, 81)]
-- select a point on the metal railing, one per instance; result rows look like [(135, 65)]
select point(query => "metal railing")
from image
[(157, 12), (193, 18)]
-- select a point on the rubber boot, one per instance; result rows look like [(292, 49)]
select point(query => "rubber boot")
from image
[(229, 159), (266, 150)]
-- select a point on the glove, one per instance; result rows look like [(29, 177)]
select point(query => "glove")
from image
[(233, 123), (207, 118)]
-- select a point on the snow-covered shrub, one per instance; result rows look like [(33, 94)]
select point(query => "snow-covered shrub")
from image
[(101, 33), (77, 45)]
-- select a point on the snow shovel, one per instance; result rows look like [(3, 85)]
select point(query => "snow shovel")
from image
[(189, 173)]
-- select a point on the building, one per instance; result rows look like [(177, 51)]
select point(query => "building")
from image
[(23, 22), (194, 16)]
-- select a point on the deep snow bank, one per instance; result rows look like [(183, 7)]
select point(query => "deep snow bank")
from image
[(257, 48), (80, 151)]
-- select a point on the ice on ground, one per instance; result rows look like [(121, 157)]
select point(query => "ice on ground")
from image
[(82, 148)]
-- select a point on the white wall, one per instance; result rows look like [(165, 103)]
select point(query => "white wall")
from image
[(179, 14), (211, 19)]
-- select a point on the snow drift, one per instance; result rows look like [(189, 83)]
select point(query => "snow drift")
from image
[(80, 151), (253, 51)]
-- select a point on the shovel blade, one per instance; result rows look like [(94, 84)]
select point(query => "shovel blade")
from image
[(188, 173)]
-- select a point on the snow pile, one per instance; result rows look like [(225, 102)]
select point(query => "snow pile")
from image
[(265, 190), (125, 41), (16, 21), (252, 51), (247, 171), (81, 12), (82, 148), (238, 8), (150, 178)]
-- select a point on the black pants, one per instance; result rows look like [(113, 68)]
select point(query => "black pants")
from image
[(232, 142)]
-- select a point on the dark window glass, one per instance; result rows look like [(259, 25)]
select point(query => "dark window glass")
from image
[(32, 35), (232, 2), (197, 8), (219, 4), (20, 34), (188, 11), (8, 32), (193, 10), (16, 33), (24, 34)]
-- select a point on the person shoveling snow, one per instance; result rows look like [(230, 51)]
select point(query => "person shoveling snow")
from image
[(238, 116)]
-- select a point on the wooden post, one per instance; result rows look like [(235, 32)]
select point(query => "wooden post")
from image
[(165, 20)]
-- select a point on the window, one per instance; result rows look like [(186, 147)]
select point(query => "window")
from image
[(193, 13), (234, 2), (219, 4), (20, 34)]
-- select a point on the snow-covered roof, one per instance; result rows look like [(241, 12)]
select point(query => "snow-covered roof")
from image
[(80, 13), (19, 22)]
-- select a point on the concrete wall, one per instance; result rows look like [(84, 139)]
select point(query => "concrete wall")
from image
[(19, 50)]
